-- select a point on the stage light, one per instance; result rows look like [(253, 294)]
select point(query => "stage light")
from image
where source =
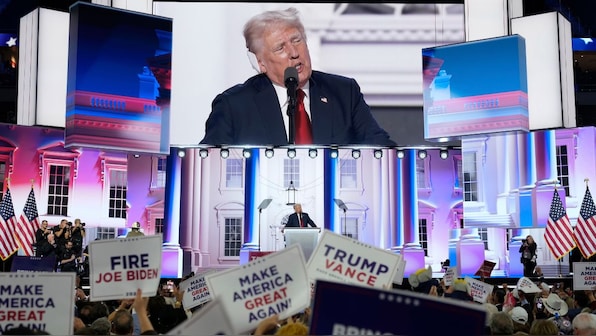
[(181, 153), (291, 153), (356, 153), (400, 154), (224, 153), (422, 154), (444, 154), (378, 153), (136, 156), (313, 153), (333, 153), (269, 153), (203, 153), (246, 153)]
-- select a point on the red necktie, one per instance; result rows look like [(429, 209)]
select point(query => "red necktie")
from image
[(303, 131), (300, 215)]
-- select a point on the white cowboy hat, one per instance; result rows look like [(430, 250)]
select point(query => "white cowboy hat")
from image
[(554, 304), (136, 225)]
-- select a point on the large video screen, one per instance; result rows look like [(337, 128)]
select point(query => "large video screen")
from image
[(119, 80), (475, 87)]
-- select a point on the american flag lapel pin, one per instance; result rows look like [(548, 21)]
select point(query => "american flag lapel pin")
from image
[(324, 100)]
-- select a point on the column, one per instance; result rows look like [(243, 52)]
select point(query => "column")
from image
[(251, 227), (171, 262), (526, 179), (408, 208), (546, 176), (186, 210), (202, 216), (330, 173)]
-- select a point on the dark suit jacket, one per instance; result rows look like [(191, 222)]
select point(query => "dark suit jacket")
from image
[(293, 220), (249, 114)]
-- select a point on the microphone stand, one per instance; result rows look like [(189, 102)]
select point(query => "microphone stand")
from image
[(291, 114)]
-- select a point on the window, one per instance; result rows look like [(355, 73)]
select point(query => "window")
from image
[(117, 200), (158, 178), (470, 179), (106, 233), (158, 225), (423, 235), (348, 174), (349, 227), (58, 190), (2, 178), (483, 233), (292, 172), (423, 175), (563, 168), (233, 237), (234, 173)]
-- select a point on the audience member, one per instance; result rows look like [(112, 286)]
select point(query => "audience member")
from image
[(501, 324), (544, 327), (584, 324), (519, 316), (422, 280)]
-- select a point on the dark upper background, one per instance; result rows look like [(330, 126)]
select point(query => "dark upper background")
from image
[(581, 14)]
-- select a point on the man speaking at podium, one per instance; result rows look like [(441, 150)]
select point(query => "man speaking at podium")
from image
[(299, 219), (322, 108)]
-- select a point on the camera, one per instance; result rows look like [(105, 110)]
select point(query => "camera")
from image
[(524, 241), (82, 224)]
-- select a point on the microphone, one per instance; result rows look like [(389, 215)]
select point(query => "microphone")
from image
[(291, 82)]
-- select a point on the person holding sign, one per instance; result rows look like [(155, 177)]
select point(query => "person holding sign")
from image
[(528, 255), (299, 218)]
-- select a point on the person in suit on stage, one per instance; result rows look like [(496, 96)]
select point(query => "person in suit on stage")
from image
[(299, 218), (528, 255), (254, 113)]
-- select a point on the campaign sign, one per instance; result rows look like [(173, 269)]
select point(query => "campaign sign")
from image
[(117, 267), (486, 269), (344, 309), (195, 290), (479, 290), (449, 276), (343, 259), (211, 319), (584, 275), (273, 284), (38, 301), (33, 264), (399, 274)]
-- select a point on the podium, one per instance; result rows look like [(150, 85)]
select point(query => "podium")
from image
[(307, 238)]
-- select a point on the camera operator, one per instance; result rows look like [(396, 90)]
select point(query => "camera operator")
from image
[(77, 236), (41, 235), (528, 255)]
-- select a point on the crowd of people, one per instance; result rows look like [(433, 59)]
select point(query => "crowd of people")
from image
[(64, 242)]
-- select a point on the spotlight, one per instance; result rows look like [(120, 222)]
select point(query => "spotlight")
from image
[(224, 153), (246, 153), (181, 153), (291, 153), (333, 153), (422, 154), (269, 153), (313, 153), (444, 154), (203, 153), (136, 156), (356, 153), (378, 153), (400, 154)]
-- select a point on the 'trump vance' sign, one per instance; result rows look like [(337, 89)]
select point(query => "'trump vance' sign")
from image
[(339, 258), (119, 266), (38, 301)]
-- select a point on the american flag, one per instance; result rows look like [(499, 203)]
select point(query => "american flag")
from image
[(8, 243), (28, 225), (558, 233), (585, 230)]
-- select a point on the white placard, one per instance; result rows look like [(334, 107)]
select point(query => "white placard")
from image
[(211, 319), (584, 275), (449, 276), (273, 284), (479, 290), (342, 259), (399, 274), (118, 267), (195, 290), (36, 300)]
